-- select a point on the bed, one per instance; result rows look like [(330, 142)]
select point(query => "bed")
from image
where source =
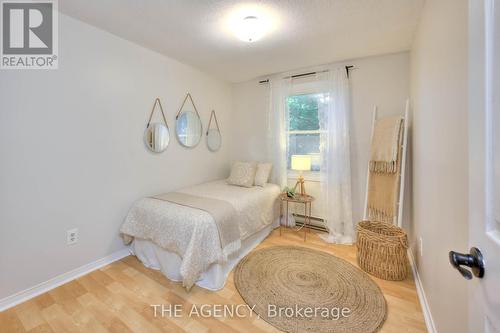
[(185, 242)]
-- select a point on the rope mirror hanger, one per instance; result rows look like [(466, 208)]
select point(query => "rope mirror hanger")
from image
[(214, 116), (157, 101), (182, 106), (214, 138)]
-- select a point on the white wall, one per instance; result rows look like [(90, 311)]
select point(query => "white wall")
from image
[(381, 80), (72, 153), (440, 157)]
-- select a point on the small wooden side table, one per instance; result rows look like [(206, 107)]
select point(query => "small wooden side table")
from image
[(301, 199)]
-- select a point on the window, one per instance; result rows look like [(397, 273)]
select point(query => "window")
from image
[(303, 127)]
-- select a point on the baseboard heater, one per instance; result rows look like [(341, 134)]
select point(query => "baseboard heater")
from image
[(316, 223)]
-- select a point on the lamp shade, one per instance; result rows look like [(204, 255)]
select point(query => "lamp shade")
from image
[(301, 162)]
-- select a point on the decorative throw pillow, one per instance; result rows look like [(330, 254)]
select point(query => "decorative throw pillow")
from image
[(242, 174), (263, 173)]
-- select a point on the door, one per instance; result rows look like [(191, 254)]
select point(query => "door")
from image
[(484, 161)]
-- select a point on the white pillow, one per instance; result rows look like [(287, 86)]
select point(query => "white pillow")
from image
[(242, 174), (263, 173)]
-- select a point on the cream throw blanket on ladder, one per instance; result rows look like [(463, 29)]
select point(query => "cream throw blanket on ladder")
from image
[(385, 145), (383, 184)]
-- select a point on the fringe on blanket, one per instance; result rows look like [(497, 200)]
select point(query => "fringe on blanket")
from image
[(381, 216), (386, 142), (383, 166)]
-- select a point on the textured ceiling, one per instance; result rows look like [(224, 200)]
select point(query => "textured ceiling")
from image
[(305, 32)]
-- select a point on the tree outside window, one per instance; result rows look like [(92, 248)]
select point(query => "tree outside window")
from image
[(303, 127)]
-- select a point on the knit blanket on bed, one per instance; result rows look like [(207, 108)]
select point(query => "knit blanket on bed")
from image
[(223, 213)]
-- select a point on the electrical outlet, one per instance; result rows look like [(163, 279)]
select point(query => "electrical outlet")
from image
[(72, 236), (421, 247)]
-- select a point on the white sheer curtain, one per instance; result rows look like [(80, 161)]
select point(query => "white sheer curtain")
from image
[(279, 89), (334, 117)]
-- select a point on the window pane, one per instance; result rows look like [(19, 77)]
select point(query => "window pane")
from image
[(303, 112), (304, 144)]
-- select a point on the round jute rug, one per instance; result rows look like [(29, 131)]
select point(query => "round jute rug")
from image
[(297, 289)]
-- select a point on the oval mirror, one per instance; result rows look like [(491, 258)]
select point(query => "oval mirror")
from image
[(214, 139), (157, 137), (188, 124)]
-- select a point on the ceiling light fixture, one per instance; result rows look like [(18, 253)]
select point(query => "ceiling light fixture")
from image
[(250, 29), (250, 22)]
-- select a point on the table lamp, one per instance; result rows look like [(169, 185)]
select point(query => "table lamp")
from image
[(301, 163)]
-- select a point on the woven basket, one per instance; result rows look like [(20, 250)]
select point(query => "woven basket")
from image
[(382, 250)]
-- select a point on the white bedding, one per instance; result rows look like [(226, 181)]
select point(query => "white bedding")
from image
[(214, 278), (192, 233)]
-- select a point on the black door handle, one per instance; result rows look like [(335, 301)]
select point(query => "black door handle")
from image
[(474, 260)]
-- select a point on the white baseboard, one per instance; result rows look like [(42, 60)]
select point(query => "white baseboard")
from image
[(429, 322), (43, 287)]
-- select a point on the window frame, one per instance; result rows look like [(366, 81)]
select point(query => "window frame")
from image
[(307, 88)]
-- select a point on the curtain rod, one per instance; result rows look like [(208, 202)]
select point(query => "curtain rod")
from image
[(347, 68)]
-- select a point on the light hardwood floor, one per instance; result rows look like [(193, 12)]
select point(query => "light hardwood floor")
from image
[(118, 298)]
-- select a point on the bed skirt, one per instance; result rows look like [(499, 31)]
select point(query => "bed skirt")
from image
[(169, 263)]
